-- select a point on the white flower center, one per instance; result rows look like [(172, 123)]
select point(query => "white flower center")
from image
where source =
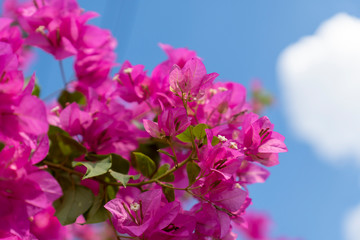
[(134, 206), (128, 70), (222, 89), (222, 138), (233, 145)]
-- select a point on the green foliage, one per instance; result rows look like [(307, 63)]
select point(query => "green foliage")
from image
[(150, 150), (144, 164), (166, 153), (215, 140), (185, 136), (75, 201), (97, 213), (2, 145), (199, 131), (111, 190), (94, 169), (193, 170), (123, 178), (119, 164), (62, 146), (169, 192), (67, 97), (163, 169), (36, 90)]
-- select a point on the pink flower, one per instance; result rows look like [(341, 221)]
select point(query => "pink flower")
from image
[(261, 143), (178, 56), (225, 104), (148, 215), (101, 128), (24, 191), (133, 84), (95, 56), (54, 26), (191, 81), (210, 222), (258, 227), (22, 115), (171, 122), (46, 226), (250, 173)]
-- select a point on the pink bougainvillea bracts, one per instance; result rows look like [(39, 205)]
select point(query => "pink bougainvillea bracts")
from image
[(129, 150)]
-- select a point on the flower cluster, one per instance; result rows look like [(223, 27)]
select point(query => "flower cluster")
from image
[(130, 149)]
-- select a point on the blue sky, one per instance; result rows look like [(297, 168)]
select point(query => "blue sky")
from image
[(242, 40)]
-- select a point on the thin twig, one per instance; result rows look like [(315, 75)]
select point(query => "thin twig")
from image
[(62, 72)]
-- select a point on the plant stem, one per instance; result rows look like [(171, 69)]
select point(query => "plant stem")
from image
[(173, 151), (62, 72), (72, 171)]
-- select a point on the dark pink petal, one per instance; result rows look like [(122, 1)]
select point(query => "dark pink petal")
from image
[(41, 150), (165, 216)]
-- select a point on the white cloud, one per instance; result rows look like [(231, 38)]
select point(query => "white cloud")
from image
[(320, 79), (352, 224)]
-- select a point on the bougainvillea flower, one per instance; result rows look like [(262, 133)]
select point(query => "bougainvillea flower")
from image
[(54, 26), (146, 215), (226, 104), (21, 112), (178, 56), (46, 226), (24, 190), (171, 122), (250, 173), (95, 56), (191, 81), (210, 221), (261, 143), (134, 85)]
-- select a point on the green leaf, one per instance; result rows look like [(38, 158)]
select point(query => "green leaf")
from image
[(55, 130), (67, 97), (169, 192), (123, 178), (150, 150), (2, 145), (111, 190), (144, 164), (163, 169), (120, 164), (215, 140), (193, 170), (94, 169), (62, 146), (69, 146), (36, 90), (97, 213), (75, 201), (166, 153), (199, 130), (185, 136)]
